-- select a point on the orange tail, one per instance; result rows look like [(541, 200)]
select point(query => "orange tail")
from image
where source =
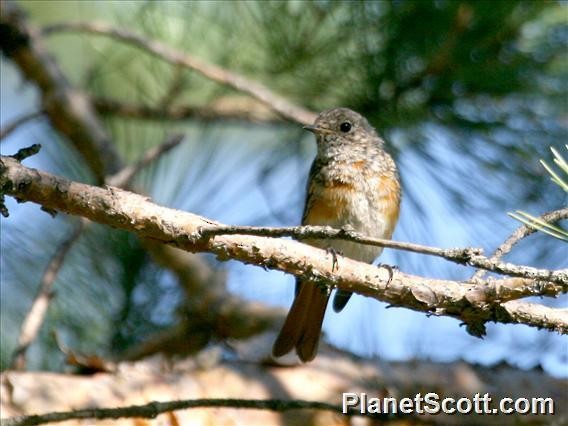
[(302, 328)]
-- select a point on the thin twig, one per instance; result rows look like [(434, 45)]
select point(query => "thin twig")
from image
[(26, 152), (124, 177), (521, 232), (461, 255), (177, 57), (36, 315), (153, 409), (245, 110), (175, 88), (10, 127), (465, 256)]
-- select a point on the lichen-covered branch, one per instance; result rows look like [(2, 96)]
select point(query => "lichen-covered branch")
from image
[(474, 304), (521, 232), (465, 256), (537, 315)]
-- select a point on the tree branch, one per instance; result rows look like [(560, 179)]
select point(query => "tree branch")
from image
[(473, 304), (244, 109), (17, 122), (26, 152), (153, 409), (537, 315), (124, 177), (68, 109), (214, 314), (176, 57), (34, 319), (75, 119), (209, 374), (521, 232), (465, 256)]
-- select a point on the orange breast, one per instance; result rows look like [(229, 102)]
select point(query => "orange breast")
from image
[(327, 204), (389, 201)]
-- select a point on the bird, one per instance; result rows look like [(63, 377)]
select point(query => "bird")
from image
[(353, 183)]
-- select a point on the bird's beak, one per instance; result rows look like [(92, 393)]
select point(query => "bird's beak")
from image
[(318, 130)]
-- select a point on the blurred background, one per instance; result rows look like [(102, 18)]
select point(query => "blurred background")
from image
[(469, 96)]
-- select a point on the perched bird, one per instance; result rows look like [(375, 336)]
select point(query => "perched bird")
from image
[(353, 182)]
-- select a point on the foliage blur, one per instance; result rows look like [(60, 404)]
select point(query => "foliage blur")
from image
[(469, 95)]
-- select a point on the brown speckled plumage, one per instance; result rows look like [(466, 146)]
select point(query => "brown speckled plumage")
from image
[(353, 182)]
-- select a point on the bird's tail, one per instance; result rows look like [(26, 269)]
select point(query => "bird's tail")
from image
[(302, 327)]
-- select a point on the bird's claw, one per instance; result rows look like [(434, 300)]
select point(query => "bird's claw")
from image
[(390, 269), (334, 253)]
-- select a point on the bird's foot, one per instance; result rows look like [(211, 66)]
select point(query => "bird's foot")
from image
[(334, 253), (390, 269)]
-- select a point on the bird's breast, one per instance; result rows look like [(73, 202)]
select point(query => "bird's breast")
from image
[(362, 198)]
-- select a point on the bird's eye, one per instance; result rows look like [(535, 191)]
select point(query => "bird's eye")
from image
[(345, 127)]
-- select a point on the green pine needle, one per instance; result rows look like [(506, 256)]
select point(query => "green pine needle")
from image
[(537, 223), (540, 225)]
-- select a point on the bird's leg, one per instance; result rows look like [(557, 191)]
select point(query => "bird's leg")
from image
[(389, 268), (334, 252)]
